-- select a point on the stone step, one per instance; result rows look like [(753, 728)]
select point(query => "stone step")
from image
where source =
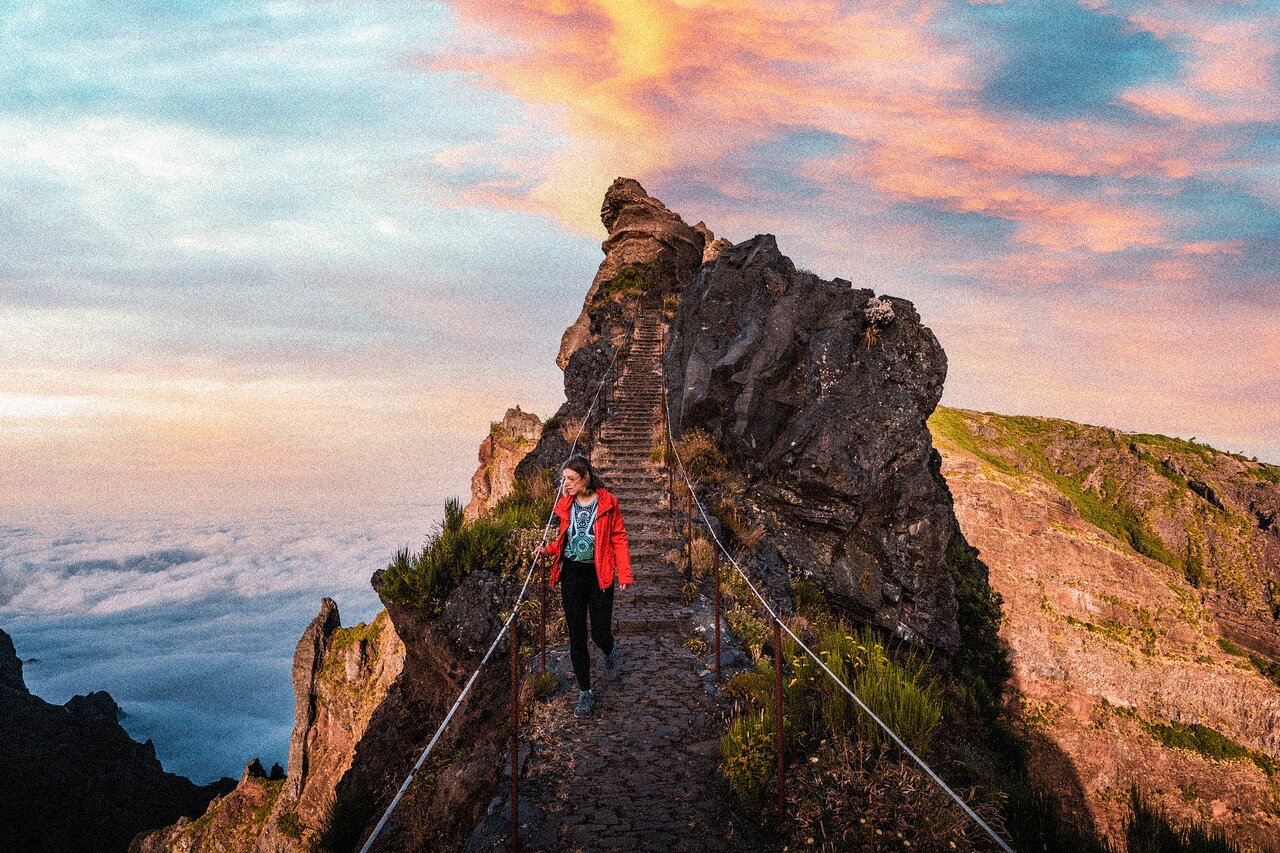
[(631, 628)]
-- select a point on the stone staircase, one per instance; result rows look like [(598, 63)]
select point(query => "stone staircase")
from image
[(640, 774), (622, 457)]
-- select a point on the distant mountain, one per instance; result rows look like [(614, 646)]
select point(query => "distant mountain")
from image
[(1141, 585), (72, 779)]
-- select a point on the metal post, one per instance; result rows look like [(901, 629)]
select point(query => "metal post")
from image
[(777, 710), (542, 606), (715, 570), (515, 733), (688, 538)]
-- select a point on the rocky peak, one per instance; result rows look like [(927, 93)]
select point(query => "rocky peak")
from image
[(650, 251), (500, 452), (307, 658), (818, 394), (10, 665)]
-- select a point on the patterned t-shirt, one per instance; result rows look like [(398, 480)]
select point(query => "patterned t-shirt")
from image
[(581, 539)]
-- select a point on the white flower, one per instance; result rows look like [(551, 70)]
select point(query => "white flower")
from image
[(878, 312)]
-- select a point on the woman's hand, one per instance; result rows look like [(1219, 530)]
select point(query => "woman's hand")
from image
[(622, 586)]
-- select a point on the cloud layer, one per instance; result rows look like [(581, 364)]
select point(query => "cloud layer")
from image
[(189, 623)]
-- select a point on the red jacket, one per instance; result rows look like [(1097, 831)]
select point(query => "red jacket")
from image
[(611, 553)]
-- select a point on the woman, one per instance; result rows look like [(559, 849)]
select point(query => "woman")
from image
[(592, 552)]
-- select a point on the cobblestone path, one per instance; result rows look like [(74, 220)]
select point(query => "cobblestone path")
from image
[(640, 774)]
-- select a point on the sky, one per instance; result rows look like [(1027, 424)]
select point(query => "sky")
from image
[(289, 259)]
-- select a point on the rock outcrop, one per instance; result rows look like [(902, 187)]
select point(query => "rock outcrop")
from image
[(818, 395), (341, 677), (649, 251), (1085, 530), (651, 256), (500, 452), (72, 779)]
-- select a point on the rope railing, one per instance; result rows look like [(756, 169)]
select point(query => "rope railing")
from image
[(546, 529), (780, 624)]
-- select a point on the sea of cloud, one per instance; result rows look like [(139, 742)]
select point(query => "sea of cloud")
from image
[(190, 623)]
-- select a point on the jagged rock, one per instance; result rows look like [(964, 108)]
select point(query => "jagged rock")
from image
[(646, 240), (713, 245), (10, 665), (500, 452), (822, 410), (306, 664), (342, 677), (72, 779), (650, 253)]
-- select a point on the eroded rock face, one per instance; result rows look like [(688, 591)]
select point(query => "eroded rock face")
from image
[(72, 779), (341, 679), (500, 452), (823, 411), (1105, 640)]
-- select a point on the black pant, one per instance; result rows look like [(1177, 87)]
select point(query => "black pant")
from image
[(581, 593)]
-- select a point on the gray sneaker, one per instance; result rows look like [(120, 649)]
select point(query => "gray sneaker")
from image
[(611, 659), (586, 702)]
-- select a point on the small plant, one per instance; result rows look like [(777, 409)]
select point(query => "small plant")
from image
[(697, 645), (747, 759), (878, 313), (749, 629), (290, 825), (543, 684), (689, 591), (703, 553), (671, 303), (703, 459)]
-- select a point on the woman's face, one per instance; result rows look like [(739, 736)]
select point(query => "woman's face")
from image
[(574, 483)]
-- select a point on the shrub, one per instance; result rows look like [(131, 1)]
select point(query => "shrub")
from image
[(854, 795), (290, 825), (543, 684), (747, 759), (703, 553), (458, 548), (626, 283), (752, 631), (1207, 741), (671, 303), (984, 668), (899, 692), (808, 598), (703, 459), (1149, 830)]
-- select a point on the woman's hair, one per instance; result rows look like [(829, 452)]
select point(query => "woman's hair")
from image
[(581, 466)]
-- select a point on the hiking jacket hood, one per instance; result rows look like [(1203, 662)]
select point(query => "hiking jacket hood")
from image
[(612, 557)]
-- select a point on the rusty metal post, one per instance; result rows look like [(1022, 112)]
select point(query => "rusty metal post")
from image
[(777, 710), (542, 606), (715, 570), (515, 733), (671, 477), (688, 538)]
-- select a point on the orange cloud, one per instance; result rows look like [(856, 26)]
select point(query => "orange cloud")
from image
[(1230, 75), (635, 88)]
